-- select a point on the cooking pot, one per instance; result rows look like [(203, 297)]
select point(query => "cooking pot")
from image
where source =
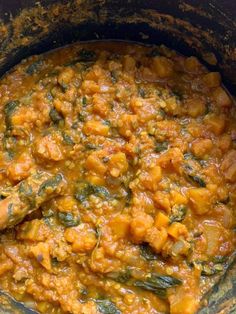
[(206, 29)]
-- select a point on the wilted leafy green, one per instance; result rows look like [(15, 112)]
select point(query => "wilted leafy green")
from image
[(68, 219), (160, 147), (67, 139), (147, 253), (158, 284), (85, 189), (178, 213), (107, 307), (197, 180), (9, 109), (55, 116), (51, 183)]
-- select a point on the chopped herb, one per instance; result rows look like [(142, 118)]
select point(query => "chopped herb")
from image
[(68, 219), (81, 117), (189, 156), (107, 307), (208, 270), (49, 96), (178, 213), (141, 92), (10, 154), (208, 108), (161, 113), (86, 55), (147, 252), (158, 284), (34, 67), (190, 174), (98, 232), (100, 191), (197, 180), (9, 109), (67, 139), (91, 146), (10, 210), (84, 101), (114, 77), (47, 212), (212, 267), (55, 262), (106, 122), (75, 125), (220, 259), (160, 147), (51, 183), (64, 87), (85, 189), (128, 197), (55, 116)]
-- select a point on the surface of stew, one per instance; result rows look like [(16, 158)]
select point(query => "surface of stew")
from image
[(145, 141)]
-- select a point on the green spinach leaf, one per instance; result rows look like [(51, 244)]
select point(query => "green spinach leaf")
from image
[(107, 307), (178, 213), (55, 116), (68, 219), (160, 147), (51, 183), (158, 284), (147, 252), (85, 189)]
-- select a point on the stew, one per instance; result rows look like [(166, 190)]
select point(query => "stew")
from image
[(132, 154)]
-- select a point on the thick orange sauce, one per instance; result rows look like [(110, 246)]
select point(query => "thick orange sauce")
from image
[(145, 140)]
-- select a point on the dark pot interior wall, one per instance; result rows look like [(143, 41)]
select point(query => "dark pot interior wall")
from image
[(193, 27), (190, 26)]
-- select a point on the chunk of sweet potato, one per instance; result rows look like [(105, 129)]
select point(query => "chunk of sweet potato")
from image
[(228, 166), (215, 123), (118, 164), (48, 148), (162, 66), (200, 199), (93, 163), (120, 225), (201, 147), (94, 127), (82, 237), (161, 220), (20, 169), (41, 252)]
